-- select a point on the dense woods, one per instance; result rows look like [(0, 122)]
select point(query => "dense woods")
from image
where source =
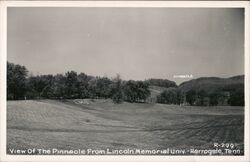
[(206, 92), (21, 85), (72, 86)]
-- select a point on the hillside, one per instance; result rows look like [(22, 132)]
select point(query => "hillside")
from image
[(211, 84), (161, 83)]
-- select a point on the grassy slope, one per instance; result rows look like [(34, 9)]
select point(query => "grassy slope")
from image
[(155, 91), (102, 124)]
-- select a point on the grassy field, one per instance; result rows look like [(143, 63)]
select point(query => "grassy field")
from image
[(100, 124)]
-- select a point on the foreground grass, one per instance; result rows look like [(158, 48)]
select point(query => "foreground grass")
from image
[(101, 124)]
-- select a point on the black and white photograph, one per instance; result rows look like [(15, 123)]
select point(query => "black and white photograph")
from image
[(148, 81)]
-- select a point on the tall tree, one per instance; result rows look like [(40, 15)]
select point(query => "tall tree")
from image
[(130, 91), (142, 91), (92, 88), (71, 84), (117, 93), (16, 81), (83, 85), (58, 86), (103, 87)]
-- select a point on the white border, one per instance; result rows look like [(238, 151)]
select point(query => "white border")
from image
[(169, 4)]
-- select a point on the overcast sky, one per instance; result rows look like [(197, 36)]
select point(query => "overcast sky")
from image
[(137, 43)]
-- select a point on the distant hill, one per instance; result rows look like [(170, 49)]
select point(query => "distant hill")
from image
[(208, 84), (205, 91), (161, 83), (211, 84)]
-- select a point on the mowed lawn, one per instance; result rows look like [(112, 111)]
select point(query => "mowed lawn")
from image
[(101, 124)]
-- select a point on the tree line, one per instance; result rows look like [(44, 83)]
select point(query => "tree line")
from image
[(229, 95), (22, 85), (71, 85)]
